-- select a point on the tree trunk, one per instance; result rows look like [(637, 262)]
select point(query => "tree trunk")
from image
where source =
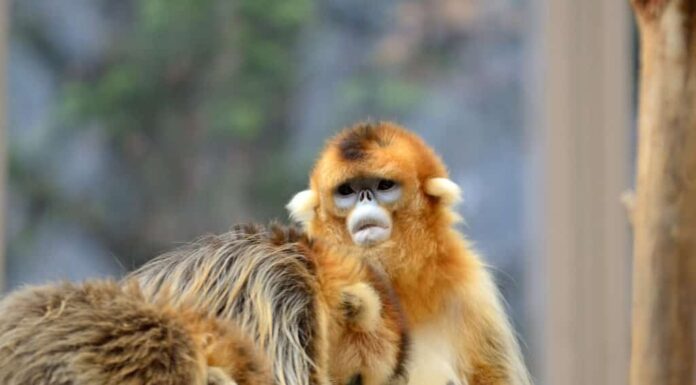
[(664, 281), (4, 30)]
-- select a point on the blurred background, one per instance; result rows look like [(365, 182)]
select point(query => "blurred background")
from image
[(133, 126)]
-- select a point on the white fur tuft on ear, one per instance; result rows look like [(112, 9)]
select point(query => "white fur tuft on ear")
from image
[(302, 205), (443, 188), (362, 306)]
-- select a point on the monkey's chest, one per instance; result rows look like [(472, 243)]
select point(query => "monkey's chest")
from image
[(433, 356)]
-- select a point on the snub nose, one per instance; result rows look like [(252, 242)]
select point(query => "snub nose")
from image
[(365, 195)]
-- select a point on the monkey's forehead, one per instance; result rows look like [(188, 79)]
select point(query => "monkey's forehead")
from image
[(381, 150), (332, 171)]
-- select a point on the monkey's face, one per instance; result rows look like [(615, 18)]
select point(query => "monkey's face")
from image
[(367, 205), (373, 184)]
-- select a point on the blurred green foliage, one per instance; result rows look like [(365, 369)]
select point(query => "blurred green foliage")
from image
[(199, 114), (391, 95), (194, 99), (225, 61), (194, 88)]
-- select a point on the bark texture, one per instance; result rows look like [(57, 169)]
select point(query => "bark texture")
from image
[(664, 282)]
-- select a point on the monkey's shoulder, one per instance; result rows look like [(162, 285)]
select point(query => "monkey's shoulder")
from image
[(274, 234)]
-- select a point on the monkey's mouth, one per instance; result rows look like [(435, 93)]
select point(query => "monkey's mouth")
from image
[(369, 231)]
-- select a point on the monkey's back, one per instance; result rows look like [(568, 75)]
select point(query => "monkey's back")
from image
[(93, 333), (320, 317), (262, 278)]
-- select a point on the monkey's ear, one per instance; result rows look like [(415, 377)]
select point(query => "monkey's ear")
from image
[(443, 188), (361, 306), (302, 205)]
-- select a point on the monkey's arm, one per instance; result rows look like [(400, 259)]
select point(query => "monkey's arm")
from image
[(491, 353)]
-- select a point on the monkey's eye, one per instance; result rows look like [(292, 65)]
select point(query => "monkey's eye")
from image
[(385, 184), (345, 189)]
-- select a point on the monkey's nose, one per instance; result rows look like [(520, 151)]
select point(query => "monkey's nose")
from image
[(366, 195)]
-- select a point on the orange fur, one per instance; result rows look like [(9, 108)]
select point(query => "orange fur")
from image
[(442, 282), (380, 345), (374, 350), (227, 348)]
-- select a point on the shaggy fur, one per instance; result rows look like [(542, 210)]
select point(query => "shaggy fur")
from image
[(99, 333), (449, 297), (305, 306)]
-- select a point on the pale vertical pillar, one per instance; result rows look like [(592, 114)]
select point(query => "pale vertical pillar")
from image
[(580, 136)]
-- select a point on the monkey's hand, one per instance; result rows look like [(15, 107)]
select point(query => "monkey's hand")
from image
[(361, 306)]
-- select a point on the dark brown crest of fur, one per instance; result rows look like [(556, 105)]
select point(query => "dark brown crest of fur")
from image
[(353, 144)]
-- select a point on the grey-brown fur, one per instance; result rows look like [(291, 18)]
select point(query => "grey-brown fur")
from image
[(280, 289), (100, 333), (260, 279)]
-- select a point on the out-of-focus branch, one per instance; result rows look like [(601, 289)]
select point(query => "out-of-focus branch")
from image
[(664, 282)]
